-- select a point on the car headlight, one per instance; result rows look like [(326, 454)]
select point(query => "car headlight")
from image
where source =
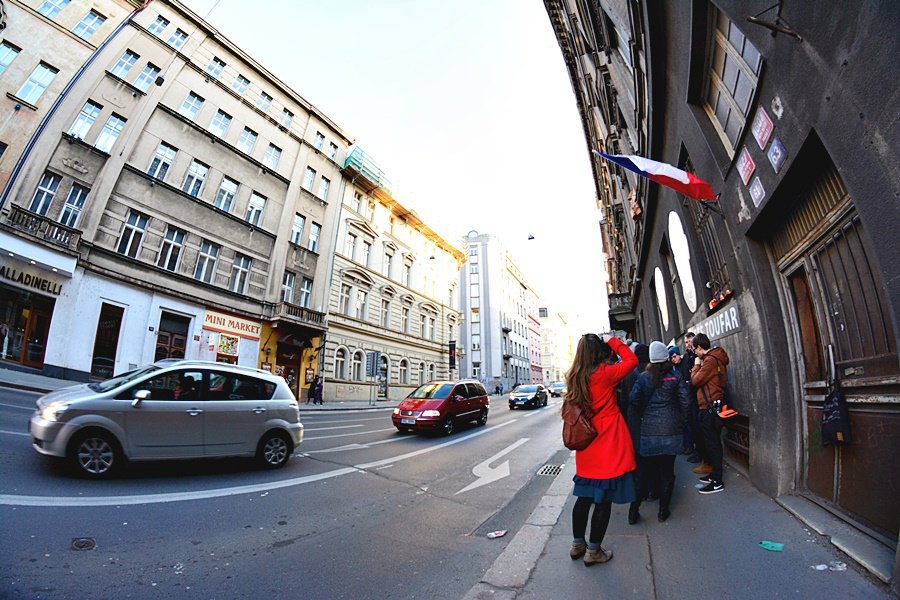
[(397, 411), (431, 413), (54, 410)]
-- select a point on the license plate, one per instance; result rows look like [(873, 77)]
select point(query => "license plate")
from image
[(408, 421)]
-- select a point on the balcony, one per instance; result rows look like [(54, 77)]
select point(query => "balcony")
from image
[(299, 315), (619, 304), (43, 228), (364, 172)]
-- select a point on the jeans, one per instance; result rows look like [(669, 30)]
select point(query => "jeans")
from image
[(599, 520), (711, 426)]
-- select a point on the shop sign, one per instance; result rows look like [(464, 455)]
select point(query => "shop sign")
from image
[(745, 165), (723, 323), (216, 321), (762, 128), (29, 280)]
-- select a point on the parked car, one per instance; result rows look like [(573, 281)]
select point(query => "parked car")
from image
[(171, 409), (557, 389), (528, 395), (441, 405)]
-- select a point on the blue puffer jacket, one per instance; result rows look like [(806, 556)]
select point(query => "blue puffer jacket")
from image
[(666, 408)]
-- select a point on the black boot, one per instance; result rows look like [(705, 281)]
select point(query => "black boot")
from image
[(633, 515), (665, 497)]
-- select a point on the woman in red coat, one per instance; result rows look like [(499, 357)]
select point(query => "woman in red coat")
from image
[(604, 471)]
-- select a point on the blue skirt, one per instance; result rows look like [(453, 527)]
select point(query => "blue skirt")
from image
[(619, 490)]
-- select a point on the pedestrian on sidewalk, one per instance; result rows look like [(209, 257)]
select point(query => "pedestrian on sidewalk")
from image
[(708, 376), (662, 396), (604, 471), (633, 416), (318, 385), (688, 360)]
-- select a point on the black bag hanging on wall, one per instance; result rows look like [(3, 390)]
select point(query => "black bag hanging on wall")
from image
[(835, 416)]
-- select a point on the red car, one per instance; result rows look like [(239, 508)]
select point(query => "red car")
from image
[(440, 405)]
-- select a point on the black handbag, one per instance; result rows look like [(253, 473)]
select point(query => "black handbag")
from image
[(835, 415)]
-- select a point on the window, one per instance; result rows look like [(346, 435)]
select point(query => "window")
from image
[(225, 195), (215, 67), (220, 123), (422, 373), (682, 256), (110, 133), (350, 246), (356, 202), (473, 268), (7, 53), (51, 8), (37, 82), (247, 140), (404, 371), (340, 362), (193, 181), (255, 208), (320, 140), (431, 327), (74, 203), (158, 26), (733, 73), (170, 251), (191, 106), (332, 151), (147, 76), (286, 118), (177, 39), (407, 273), (240, 273), (385, 312), (240, 84), (264, 101), (162, 160), (85, 119), (344, 301), (46, 190), (431, 372), (476, 341), (360, 307), (659, 284), (308, 179), (423, 321), (287, 286), (297, 228), (132, 234), (315, 230), (88, 25), (387, 264), (305, 292), (366, 253), (324, 183), (206, 262), (272, 156), (404, 320), (356, 365)]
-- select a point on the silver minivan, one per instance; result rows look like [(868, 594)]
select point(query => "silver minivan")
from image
[(172, 409)]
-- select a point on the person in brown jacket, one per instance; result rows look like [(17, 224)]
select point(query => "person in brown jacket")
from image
[(708, 377)]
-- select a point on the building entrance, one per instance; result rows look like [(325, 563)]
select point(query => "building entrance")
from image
[(171, 339), (24, 326)]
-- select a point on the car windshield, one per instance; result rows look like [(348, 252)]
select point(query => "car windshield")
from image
[(526, 388), (110, 384), (432, 390)]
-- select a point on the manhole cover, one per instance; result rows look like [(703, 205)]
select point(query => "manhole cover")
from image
[(550, 470), (84, 543)]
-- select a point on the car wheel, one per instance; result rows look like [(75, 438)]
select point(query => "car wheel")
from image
[(482, 417), (95, 454), (448, 425), (273, 451)]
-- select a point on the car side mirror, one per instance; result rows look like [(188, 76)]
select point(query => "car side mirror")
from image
[(139, 396)]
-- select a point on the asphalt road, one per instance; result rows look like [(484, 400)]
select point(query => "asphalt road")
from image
[(361, 511)]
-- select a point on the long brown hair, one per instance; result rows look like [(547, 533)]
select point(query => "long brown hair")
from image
[(658, 371), (590, 353)]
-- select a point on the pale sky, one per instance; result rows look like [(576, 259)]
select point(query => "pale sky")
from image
[(467, 108)]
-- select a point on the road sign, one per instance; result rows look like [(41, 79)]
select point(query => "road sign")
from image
[(372, 361)]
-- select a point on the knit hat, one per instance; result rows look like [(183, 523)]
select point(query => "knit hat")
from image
[(658, 352), (673, 350)]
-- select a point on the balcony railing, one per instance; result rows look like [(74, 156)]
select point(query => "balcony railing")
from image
[(358, 163), (619, 303), (298, 314), (43, 228)]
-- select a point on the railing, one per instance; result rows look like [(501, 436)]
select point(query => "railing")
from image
[(619, 303), (43, 227), (298, 313), (361, 163)]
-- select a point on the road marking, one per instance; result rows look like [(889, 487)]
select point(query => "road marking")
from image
[(50, 501), (329, 428), (486, 474), (328, 437), (15, 433), (28, 408)]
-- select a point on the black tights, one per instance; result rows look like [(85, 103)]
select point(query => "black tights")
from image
[(599, 520)]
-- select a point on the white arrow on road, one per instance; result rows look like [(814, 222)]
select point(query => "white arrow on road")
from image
[(486, 474)]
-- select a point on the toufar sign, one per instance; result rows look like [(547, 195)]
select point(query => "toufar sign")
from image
[(725, 322)]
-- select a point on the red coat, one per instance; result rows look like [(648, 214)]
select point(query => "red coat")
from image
[(611, 454)]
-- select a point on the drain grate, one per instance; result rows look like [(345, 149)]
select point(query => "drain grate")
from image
[(83, 543), (552, 470)]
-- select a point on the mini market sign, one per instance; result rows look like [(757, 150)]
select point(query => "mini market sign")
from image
[(224, 323)]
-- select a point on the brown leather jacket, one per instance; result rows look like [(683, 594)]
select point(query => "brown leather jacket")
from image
[(709, 378)]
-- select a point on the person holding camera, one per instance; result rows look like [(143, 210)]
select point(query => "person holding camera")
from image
[(708, 377)]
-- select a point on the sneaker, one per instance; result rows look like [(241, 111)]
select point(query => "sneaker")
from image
[(595, 557), (578, 550), (706, 479), (712, 487), (703, 469)]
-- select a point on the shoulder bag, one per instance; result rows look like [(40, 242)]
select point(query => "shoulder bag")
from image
[(578, 431)]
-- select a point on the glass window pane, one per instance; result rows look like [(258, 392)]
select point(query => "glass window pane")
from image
[(729, 77), (743, 93)]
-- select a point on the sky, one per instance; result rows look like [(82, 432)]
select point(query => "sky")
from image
[(467, 108)]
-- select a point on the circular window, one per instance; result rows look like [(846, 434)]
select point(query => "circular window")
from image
[(660, 285), (682, 254)]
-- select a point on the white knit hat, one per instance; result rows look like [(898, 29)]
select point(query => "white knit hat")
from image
[(658, 352)]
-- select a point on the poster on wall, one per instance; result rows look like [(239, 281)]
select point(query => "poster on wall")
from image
[(310, 375), (228, 344)]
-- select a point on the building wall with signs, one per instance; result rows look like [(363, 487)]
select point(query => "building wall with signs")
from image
[(796, 265)]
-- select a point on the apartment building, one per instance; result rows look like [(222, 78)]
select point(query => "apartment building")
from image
[(557, 349)]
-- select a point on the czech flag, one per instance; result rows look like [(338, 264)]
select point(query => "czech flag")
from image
[(663, 174)]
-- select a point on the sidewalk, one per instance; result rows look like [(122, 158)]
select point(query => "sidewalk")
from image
[(709, 548)]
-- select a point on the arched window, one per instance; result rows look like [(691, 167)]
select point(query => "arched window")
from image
[(430, 371), (422, 373), (340, 364), (661, 302), (356, 366), (681, 251), (403, 375)]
